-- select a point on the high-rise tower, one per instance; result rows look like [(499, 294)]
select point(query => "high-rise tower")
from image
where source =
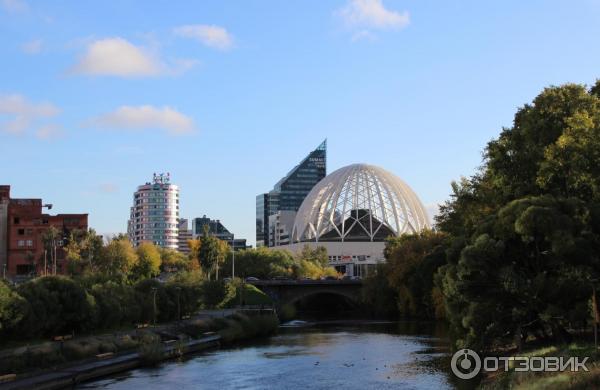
[(155, 213), (289, 192)]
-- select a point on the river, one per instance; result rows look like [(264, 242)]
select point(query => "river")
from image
[(324, 356)]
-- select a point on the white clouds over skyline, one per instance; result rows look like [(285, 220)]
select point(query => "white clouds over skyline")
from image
[(146, 117), (363, 15), (22, 114), (209, 35), (120, 58), (116, 57)]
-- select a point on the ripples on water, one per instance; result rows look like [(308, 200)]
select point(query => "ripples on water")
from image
[(367, 356)]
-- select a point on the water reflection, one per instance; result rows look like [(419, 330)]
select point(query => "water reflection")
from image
[(357, 356)]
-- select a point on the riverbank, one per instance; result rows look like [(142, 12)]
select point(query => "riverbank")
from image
[(153, 345), (550, 380)]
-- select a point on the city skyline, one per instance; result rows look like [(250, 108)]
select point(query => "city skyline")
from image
[(228, 98)]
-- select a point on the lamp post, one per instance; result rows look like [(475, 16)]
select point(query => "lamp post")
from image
[(154, 305), (233, 256), (178, 289)]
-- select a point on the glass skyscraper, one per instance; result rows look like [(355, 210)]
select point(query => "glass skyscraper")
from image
[(290, 191)]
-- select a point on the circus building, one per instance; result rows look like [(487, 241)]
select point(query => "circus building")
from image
[(352, 211)]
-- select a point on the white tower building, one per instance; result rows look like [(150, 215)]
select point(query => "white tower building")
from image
[(155, 213)]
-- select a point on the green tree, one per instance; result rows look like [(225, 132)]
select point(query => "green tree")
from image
[(56, 305), (12, 309), (117, 258), (524, 230), (50, 241), (148, 261), (411, 263), (262, 263), (172, 260)]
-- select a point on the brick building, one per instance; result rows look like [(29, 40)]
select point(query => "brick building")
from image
[(22, 225)]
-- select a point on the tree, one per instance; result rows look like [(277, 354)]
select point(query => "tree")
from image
[(117, 258), (56, 305), (147, 264), (12, 308), (50, 238), (173, 260), (411, 262), (211, 253), (524, 230), (82, 249), (262, 263)]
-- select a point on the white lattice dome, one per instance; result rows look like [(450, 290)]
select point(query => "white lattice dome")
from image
[(359, 203)]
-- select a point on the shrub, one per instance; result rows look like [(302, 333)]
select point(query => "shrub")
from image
[(57, 305), (150, 349), (216, 294), (13, 308)]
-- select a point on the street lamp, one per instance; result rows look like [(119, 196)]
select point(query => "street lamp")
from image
[(154, 305), (233, 256), (178, 289)]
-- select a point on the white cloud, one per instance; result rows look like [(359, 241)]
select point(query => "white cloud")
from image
[(22, 113), (117, 57), (372, 14), (32, 47), (212, 36), (49, 132), (14, 5), (146, 117)]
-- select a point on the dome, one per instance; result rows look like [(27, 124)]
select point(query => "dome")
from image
[(359, 203)]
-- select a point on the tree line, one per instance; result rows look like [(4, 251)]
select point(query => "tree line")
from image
[(515, 251), (113, 284)]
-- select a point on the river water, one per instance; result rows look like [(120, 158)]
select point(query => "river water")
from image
[(326, 356)]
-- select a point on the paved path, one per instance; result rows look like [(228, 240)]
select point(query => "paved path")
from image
[(93, 369)]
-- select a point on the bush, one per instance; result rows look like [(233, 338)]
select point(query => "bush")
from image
[(247, 294), (116, 305), (57, 305), (216, 294), (13, 308), (150, 349)]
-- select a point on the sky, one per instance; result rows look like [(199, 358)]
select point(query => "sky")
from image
[(227, 96)]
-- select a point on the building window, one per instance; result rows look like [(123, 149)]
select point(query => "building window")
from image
[(21, 232), (29, 243), (16, 220), (21, 243)]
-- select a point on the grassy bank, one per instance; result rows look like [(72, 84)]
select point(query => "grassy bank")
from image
[(551, 380), (149, 342)]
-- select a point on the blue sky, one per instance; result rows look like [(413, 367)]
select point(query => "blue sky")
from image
[(228, 96)]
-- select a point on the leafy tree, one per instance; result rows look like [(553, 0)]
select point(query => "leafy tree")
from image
[(117, 258), (262, 263), (147, 264), (56, 305), (172, 260), (82, 248), (411, 262), (116, 304), (524, 230), (12, 308), (377, 294), (50, 238)]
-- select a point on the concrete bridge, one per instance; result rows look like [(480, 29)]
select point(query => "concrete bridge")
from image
[(290, 291)]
